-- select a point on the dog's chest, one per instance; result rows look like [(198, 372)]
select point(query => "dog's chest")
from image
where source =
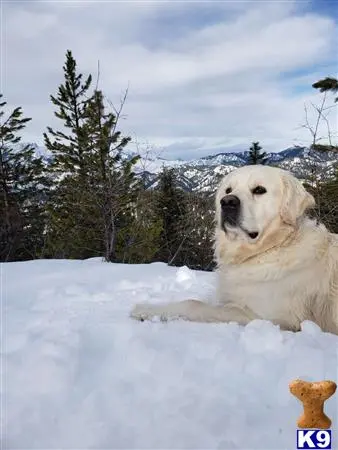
[(269, 292)]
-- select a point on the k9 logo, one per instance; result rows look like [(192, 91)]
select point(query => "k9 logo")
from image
[(313, 439)]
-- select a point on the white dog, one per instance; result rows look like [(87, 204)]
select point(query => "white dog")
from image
[(273, 262)]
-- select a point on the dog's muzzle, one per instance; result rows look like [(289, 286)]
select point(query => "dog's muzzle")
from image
[(230, 207)]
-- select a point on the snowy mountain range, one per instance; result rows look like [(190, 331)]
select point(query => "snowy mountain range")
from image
[(203, 174)]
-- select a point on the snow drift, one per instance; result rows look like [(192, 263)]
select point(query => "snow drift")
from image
[(78, 373)]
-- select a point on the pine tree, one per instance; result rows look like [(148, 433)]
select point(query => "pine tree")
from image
[(327, 84), (325, 191), (71, 213), (23, 191), (112, 178), (140, 241), (171, 209), (199, 227), (69, 150), (96, 185), (255, 155)]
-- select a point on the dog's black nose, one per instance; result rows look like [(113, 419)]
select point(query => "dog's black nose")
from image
[(230, 202)]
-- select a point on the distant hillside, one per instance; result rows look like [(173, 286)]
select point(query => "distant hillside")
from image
[(204, 174)]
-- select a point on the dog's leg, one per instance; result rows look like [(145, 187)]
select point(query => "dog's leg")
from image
[(194, 311)]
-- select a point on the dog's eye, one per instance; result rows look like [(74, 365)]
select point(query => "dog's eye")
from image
[(259, 190), (228, 190)]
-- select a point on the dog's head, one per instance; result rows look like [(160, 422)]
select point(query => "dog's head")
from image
[(254, 200)]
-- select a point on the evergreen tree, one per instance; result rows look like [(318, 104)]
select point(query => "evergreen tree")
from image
[(197, 252), (171, 209), (96, 186), (140, 241), (324, 85), (255, 154), (69, 150), (325, 191), (330, 204), (23, 190), (326, 208), (327, 84), (71, 213), (72, 222), (112, 179)]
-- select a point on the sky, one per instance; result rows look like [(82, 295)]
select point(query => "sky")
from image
[(202, 77)]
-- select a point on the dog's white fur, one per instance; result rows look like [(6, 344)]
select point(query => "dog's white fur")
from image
[(286, 275)]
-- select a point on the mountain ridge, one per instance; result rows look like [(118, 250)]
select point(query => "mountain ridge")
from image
[(204, 173)]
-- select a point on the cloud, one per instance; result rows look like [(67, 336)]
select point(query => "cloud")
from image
[(202, 76)]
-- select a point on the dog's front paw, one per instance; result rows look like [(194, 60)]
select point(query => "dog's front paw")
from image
[(142, 312)]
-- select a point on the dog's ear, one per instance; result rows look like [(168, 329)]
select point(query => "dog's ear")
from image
[(295, 200)]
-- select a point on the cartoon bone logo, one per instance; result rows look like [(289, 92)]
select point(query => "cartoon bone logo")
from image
[(313, 395)]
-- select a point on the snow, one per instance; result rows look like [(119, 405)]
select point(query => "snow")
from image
[(78, 373), (156, 165)]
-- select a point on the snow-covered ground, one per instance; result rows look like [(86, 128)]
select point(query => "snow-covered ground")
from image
[(78, 373)]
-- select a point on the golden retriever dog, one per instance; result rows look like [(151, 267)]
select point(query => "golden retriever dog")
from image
[(273, 262)]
